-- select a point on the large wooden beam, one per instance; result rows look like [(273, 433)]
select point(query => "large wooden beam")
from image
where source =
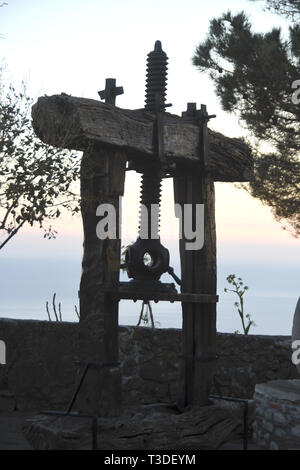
[(198, 275), (102, 181), (76, 123)]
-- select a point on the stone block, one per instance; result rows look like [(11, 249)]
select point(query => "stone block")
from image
[(275, 398), (279, 418), (295, 431), (278, 432), (287, 390)]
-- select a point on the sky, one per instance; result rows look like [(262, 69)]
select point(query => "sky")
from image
[(71, 46)]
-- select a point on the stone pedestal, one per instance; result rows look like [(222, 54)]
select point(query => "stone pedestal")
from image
[(277, 415)]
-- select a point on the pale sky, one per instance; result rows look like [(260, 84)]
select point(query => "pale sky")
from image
[(71, 46)]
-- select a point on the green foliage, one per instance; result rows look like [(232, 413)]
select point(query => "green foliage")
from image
[(288, 8), (36, 181), (253, 75), (239, 289)]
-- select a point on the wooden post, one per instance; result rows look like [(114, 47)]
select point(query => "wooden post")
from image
[(102, 181), (198, 272)]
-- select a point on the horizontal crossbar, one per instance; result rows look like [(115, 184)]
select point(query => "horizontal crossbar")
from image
[(165, 297)]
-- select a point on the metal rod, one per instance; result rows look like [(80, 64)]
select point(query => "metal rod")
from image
[(246, 425), (78, 388), (80, 415), (65, 413), (94, 433)]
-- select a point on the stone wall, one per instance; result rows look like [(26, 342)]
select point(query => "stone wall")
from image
[(245, 361), (151, 361), (277, 415), (41, 371)]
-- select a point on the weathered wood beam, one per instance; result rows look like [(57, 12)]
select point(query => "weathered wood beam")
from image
[(198, 275), (76, 123), (102, 181)]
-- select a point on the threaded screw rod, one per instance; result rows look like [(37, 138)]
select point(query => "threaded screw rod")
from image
[(155, 100)]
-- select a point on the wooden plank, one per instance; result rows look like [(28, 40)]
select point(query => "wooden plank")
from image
[(74, 123)]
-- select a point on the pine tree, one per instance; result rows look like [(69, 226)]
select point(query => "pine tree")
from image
[(257, 76)]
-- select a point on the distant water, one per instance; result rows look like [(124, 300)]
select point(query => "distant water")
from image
[(26, 285)]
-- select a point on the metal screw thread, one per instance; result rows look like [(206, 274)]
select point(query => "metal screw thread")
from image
[(156, 78), (150, 194), (156, 85)]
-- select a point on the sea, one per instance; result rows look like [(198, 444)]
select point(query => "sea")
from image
[(26, 284)]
